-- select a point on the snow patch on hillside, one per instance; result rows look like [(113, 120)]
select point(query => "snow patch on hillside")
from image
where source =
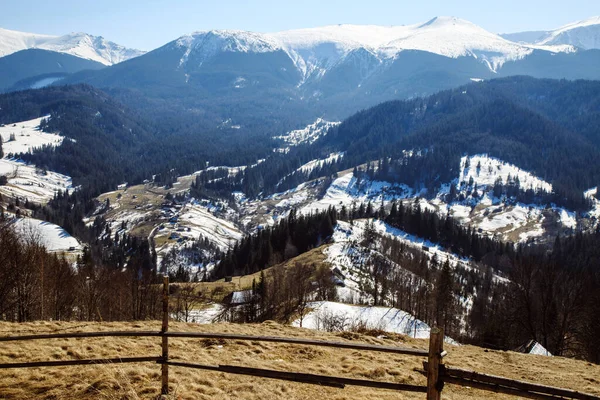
[(307, 135), (327, 316), (28, 182), (511, 217), (24, 180), (347, 191), (53, 237), (28, 137), (313, 164), (486, 170), (202, 223), (591, 194)]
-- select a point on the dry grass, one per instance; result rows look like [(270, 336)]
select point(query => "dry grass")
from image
[(141, 381)]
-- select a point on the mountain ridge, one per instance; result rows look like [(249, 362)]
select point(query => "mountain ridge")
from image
[(79, 44), (324, 47), (583, 34)]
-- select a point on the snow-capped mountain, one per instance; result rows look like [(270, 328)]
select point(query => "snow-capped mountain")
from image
[(332, 71), (208, 43), (583, 34), (82, 45), (317, 50)]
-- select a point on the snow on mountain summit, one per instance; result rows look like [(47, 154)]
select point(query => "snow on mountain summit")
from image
[(582, 34), (13, 41), (230, 40), (454, 37), (94, 48), (316, 50), (82, 45), (208, 43)]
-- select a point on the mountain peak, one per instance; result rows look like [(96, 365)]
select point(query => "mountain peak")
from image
[(229, 40), (79, 44), (584, 34), (444, 20)]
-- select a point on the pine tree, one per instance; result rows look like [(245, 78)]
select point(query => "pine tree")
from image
[(445, 306)]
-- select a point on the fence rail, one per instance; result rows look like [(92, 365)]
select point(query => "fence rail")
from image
[(437, 373), (325, 380), (65, 363), (299, 341), (509, 386), (77, 335)]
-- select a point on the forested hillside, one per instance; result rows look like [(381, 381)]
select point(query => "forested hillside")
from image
[(111, 144), (549, 128)]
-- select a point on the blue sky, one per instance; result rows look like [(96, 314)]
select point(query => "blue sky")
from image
[(147, 24)]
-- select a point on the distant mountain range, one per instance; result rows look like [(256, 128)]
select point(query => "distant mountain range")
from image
[(82, 45), (209, 77), (583, 34)]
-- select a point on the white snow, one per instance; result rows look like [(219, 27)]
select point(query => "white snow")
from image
[(332, 316), (28, 137), (454, 37), (568, 218), (44, 82), (583, 34), (82, 45), (209, 43), (485, 170), (202, 223), (591, 194), (460, 212), (232, 171), (53, 237), (307, 135), (350, 316), (206, 315), (346, 190), (313, 164), (316, 50), (27, 182), (512, 217)]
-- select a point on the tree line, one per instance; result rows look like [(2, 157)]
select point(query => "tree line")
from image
[(290, 237), (36, 284)]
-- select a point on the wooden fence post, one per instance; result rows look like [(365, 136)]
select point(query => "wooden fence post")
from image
[(165, 339), (436, 346)]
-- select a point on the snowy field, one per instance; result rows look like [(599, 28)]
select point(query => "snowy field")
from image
[(28, 137), (204, 224), (331, 316), (307, 135), (53, 237), (312, 165), (486, 170), (27, 182), (346, 190), (207, 315)]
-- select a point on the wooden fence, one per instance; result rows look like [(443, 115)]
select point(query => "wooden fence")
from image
[(437, 373)]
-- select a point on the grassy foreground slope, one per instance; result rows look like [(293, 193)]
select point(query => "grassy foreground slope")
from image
[(142, 381)]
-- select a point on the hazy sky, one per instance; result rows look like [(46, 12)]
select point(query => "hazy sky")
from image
[(147, 24)]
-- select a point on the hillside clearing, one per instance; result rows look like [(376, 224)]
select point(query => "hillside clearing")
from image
[(142, 381)]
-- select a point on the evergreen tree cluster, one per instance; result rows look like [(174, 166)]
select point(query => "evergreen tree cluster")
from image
[(292, 236)]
